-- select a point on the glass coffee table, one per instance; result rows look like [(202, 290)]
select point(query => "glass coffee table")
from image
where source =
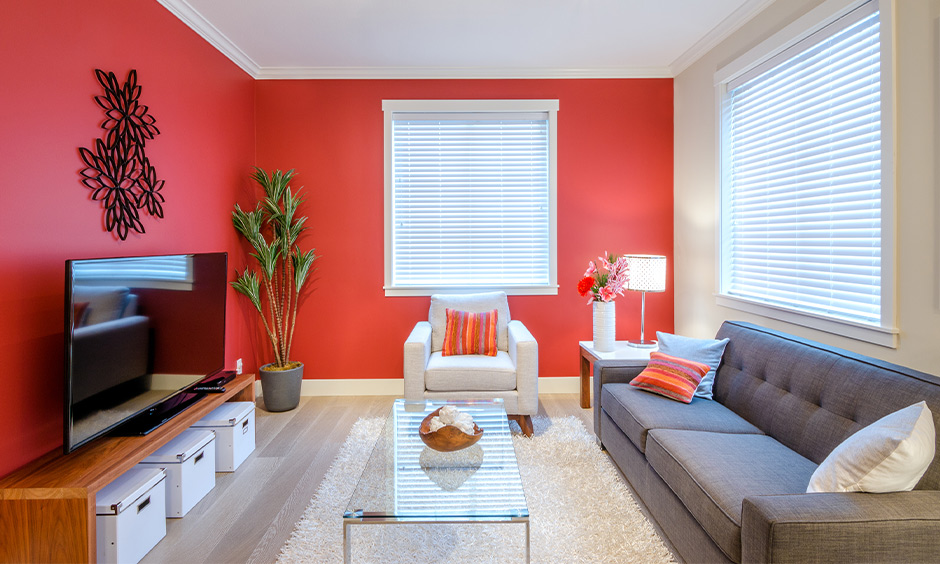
[(406, 482)]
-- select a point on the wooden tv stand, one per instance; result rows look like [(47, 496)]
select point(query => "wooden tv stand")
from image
[(47, 508)]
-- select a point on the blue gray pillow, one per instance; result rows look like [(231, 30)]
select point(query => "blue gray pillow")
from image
[(706, 351)]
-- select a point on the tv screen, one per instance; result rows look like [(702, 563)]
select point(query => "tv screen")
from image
[(139, 332)]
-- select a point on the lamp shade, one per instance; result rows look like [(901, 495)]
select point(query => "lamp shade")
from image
[(647, 273)]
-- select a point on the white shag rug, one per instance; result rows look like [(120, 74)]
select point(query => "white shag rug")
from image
[(580, 510)]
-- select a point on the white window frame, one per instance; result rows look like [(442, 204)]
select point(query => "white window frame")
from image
[(886, 333), (390, 107)]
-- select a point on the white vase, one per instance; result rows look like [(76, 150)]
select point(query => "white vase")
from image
[(605, 326)]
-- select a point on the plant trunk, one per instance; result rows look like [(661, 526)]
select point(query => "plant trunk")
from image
[(273, 329), (293, 323), (291, 297), (285, 308)]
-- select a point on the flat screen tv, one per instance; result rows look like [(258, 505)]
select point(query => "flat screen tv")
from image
[(139, 332)]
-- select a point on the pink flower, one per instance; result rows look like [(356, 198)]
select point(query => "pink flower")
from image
[(607, 294), (590, 270)]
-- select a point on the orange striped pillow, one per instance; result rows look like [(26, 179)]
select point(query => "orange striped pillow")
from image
[(469, 333), (670, 376)]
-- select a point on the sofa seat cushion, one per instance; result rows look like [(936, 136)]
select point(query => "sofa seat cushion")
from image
[(470, 372), (636, 412), (712, 473)]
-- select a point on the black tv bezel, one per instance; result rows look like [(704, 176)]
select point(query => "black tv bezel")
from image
[(152, 408)]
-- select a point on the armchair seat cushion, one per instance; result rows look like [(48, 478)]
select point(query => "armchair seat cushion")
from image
[(470, 372)]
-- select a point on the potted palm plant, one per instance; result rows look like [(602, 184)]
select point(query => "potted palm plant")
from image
[(273, 229)]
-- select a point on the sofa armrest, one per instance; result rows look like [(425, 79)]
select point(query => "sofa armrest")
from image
[(417, 353), (841, 527), (524, 352), (614, 371)]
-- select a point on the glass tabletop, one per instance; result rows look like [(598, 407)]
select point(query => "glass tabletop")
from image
[(404, 480)]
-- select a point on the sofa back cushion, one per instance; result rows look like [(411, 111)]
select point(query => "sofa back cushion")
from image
[(811, 397), (473, 303), (105, 303)]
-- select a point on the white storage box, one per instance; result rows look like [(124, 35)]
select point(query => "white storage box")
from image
[(130, 515), (189, 461), (234, 426)]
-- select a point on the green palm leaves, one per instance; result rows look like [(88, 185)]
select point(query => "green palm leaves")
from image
[(273, 229)]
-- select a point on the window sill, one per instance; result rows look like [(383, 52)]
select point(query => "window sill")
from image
[(882, 336), (510, 290)]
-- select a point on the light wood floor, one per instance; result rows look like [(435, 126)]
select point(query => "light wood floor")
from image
[(251, 513)]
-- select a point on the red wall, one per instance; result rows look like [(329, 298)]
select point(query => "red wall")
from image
[(614, 193), (615, 150), (204, 108)]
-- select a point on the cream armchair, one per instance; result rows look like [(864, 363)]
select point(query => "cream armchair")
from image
[(511, 375)]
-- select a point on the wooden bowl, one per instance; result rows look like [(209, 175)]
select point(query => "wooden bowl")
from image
[(447, 438)]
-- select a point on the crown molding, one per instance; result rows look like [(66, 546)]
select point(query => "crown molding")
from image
[(722, 31), (418, 73), (188, 15)]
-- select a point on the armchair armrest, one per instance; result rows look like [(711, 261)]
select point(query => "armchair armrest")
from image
[(612, 371), (524, 352), (417, 353), (841, 527)]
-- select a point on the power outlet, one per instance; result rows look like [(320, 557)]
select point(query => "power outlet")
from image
[(238, 366)]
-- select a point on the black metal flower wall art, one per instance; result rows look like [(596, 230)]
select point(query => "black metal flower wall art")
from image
[(116, 168)]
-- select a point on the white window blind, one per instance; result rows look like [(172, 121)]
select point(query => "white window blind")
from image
[(471, 200), (801, 188), (170, 271)]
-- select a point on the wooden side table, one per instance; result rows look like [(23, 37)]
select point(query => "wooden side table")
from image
[(588, 355)]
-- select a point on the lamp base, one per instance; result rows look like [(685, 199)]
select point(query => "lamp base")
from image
[(643, 344)]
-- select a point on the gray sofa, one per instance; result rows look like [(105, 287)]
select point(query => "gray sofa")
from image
[(110, 343), (726, 478)]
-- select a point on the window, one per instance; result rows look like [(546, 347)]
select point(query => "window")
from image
[(470, 196), (171, 272), (803, 194)]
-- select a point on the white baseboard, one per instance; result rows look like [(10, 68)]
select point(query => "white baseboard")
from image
[(396, 386), (560, 385), (362, 387)]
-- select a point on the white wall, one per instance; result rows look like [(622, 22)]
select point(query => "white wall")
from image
[(918, 170)]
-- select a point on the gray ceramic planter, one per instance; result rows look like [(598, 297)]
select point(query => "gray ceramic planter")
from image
[(281, 388)]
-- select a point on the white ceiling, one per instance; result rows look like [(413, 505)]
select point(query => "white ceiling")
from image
[(463, 38)]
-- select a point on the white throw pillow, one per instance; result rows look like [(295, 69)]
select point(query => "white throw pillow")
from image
[(890, 455)]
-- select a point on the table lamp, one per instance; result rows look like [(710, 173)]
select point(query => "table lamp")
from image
[(647, 274)]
